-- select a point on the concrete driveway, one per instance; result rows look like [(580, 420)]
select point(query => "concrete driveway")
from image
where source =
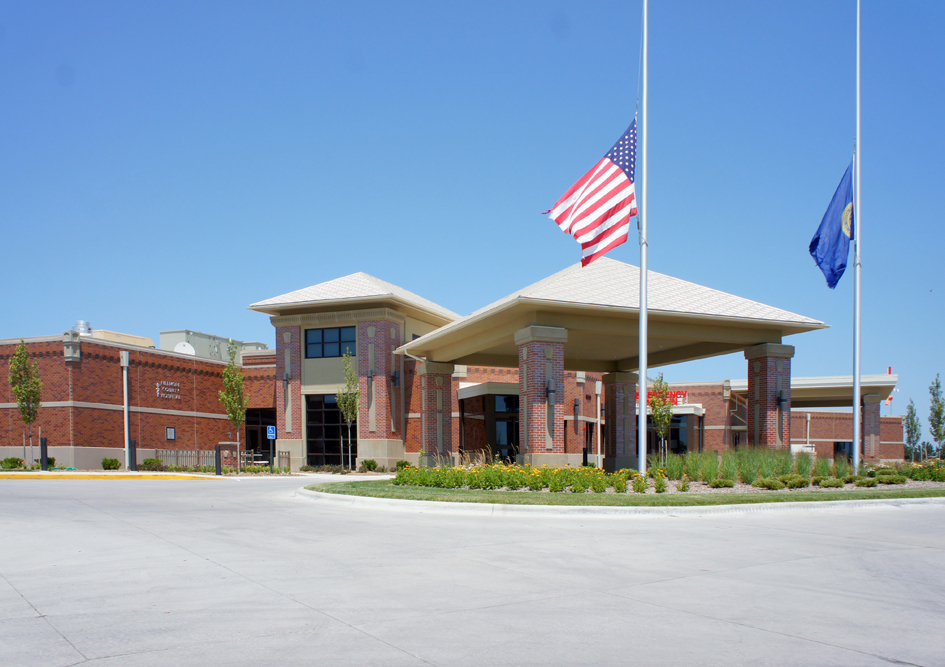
[(227, 572)]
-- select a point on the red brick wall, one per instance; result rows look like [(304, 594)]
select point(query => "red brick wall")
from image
[(386, 338), (294, 347), (763, 374), (533, 428)]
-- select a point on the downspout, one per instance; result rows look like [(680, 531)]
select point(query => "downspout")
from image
[(123, 354)]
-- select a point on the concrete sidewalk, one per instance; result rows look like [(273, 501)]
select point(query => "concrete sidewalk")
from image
[(162, 573)]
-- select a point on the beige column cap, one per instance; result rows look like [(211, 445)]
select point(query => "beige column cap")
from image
[(611, 378), (872, 398), (770, 350), (437, 367), (541, 334)]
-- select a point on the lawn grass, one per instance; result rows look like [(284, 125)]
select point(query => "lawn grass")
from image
[(384, 489)]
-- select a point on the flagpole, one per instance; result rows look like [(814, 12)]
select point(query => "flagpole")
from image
[(857, 226), (643, 208)]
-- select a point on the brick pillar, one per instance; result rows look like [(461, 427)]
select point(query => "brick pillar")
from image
[(870, 426), (620, 413), (378, 409), (769, 395), (541, 413), (436, 411), (290, 411)]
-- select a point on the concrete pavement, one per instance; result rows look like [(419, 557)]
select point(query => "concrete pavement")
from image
[(157, 572)]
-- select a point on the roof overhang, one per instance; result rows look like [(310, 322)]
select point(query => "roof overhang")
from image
[(830, 391), (357, 303), (600, 338)]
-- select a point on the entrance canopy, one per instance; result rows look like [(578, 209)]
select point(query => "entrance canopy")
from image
[(830, 392), (599, 306)]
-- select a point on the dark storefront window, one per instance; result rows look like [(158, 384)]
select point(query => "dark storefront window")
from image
[(328, 433), (505, 442), (335, 342)]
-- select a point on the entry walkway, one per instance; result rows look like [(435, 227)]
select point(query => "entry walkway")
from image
[(248, 573)]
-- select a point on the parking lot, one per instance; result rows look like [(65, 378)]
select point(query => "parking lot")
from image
[(245, 572)]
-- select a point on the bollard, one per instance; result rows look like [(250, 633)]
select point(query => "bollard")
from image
[(43, 454), (132, 456), (219, 461)]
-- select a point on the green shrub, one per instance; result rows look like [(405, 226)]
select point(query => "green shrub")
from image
[(110, 464), (51, 461), (830, 483), (766, 463), (728, 469), (841, 467), (369, 465), (938, 475), (803, 464), (768, 483), (892, 479), (783, 462), (11, 463), (675, 466), (710, 466), (683, 484), (849, 479), (693, 465), (402, 464), (822, 467), (722, 483), (599, 483), (579, 486), (307, 468), (815, 481), (639, 483), (659, 484), (865, 482), (152, 465), (557, 484), (620, 484), (795, 482)]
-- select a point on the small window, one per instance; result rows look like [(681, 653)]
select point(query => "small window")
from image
[(335, 342), (171, 433)]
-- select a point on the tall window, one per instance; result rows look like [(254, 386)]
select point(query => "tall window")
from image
[(333, 342)]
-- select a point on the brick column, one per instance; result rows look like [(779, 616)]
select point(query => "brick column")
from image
[(620, 411), (378, 408), (436, 411), (541, 413), (769, 395), (290, 412), (870, 426)]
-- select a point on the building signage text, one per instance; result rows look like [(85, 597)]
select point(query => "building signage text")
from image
[(674, 397), (168, 389)]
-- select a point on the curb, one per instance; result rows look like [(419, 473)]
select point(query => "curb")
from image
[(102, 475), (584, 511)]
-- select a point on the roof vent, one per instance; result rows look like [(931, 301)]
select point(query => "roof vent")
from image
[(82, 327)]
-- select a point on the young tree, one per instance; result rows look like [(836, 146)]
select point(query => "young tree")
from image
[(937, 415), (661, 411), (349, 398), (913, 428), (233, 396), (26, 386)]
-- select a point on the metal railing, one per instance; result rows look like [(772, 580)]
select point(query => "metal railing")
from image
[(186, 457)]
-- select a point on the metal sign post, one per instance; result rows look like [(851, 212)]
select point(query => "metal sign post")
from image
[(271, 435)]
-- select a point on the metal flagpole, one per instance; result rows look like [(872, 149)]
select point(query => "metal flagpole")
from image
[(643, 206), (857, 226)]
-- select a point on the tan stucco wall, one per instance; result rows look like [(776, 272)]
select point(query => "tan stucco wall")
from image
[(323, 376)]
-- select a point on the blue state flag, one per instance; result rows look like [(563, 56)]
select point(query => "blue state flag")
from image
[(830, 246)]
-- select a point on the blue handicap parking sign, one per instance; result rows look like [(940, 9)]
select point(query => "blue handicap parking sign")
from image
[(271, 432)]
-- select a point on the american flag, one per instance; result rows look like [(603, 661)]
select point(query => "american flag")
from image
[(597, 209)]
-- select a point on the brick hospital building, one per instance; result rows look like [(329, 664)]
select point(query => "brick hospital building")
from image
[(522, 378)]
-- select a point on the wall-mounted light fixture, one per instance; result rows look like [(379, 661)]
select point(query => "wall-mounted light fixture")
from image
[(395, 378), (550, 391)]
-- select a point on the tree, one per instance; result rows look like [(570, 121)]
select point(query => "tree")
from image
[(661, 411), (26, 386), (233, 396), (349, 398), (913, 428), (937, 415)]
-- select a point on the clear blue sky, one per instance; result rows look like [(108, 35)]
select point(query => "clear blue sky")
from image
[(163, 165)]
